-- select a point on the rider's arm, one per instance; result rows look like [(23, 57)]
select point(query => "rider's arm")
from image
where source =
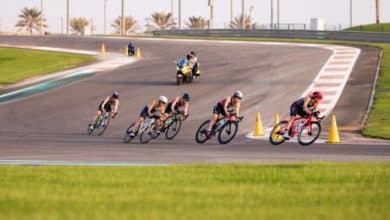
[(116, 107), (228, 100), (186, 107), (238, 105), (305, 105), (150, 108)]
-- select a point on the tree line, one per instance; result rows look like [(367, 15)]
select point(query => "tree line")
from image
[(31, 19)]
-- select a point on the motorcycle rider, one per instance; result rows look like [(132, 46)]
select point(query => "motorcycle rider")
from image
[(194, 63), (155, 109), (224, 107), (179, 104), (107, 105)]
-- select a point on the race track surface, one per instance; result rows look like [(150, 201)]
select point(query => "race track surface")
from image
[(52, 125)]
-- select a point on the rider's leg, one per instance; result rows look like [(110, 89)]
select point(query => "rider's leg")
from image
[(97, 114), (212, 122)]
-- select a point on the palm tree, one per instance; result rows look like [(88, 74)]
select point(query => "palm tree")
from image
[(237, 22), (161, 21), (30, 20), (130, 24), (197, 22), (78, 24)]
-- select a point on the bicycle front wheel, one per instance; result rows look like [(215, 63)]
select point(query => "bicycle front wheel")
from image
[(275, 136), (201, 133), (309, 133), (103, 126), (228, 132), (173, 129), (126, 137)]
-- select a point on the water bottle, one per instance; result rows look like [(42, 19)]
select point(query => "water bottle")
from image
[(300, 125), (220, 124)]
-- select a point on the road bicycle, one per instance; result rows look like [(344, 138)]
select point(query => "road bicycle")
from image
[(304, 128), (100, 124)]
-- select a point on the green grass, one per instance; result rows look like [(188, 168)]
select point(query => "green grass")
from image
[(19, 64), (306, 191), (383, 27), (378, 124)]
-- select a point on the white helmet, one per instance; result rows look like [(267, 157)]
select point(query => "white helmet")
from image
[(238, 94), (163, 99)]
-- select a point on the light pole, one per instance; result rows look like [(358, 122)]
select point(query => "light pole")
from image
[(179, 19), (62, 25), (278, 11), (272, 14), (211, 5), (67, 17), (123, 31), (350, 13), (377, 6), (41, 19), (231, 12), (243, 13), (105, 16)]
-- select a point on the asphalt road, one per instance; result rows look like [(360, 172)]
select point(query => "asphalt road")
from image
[(52, 125)]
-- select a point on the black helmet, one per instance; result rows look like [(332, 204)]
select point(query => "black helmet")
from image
[(193, 53), (189, 56), (186, 97), (115, 95)]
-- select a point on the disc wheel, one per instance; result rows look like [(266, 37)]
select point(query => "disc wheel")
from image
[(173, 129), (275, 136), (200, 135), (228, 132), (309, 133)]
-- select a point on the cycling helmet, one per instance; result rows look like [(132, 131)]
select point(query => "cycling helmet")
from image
[(189, 56), (238, 94), (186, 97), (193, 53), (115, 95), (163, 99), (317, 95)]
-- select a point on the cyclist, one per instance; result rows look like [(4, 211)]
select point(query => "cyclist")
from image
[(302, 107), (156, 109), (229, 105), (179, 104), (107, 105)]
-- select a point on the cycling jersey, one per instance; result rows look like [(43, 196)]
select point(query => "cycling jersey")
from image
[(220, 107), (179, 105), (297, 108)]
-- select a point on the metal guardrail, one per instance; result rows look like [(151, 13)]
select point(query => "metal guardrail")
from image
[(302, 34)]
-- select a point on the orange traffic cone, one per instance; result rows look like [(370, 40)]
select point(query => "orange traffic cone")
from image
[(334, 137), (258, 131), (103, 49)]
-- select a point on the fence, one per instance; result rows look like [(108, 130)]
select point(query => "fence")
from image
[(302, 34)]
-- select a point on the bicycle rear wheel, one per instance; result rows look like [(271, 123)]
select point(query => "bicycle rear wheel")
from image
[(275, 137), (126, 137), (173, 129), (228, 132), (201, 135), (309, 133)]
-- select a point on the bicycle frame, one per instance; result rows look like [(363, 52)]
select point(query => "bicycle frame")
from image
[(294, 127), (146, 124)]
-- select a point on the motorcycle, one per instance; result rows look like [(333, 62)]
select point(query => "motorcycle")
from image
[(185, 73)]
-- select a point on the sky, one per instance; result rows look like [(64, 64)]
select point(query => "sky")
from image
[(335, 12)]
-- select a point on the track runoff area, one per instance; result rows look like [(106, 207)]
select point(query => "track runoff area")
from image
[(264, 68)]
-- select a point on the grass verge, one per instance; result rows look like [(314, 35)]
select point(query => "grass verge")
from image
[(383, 27), (19, 64), (304, 191), (378, 123)]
